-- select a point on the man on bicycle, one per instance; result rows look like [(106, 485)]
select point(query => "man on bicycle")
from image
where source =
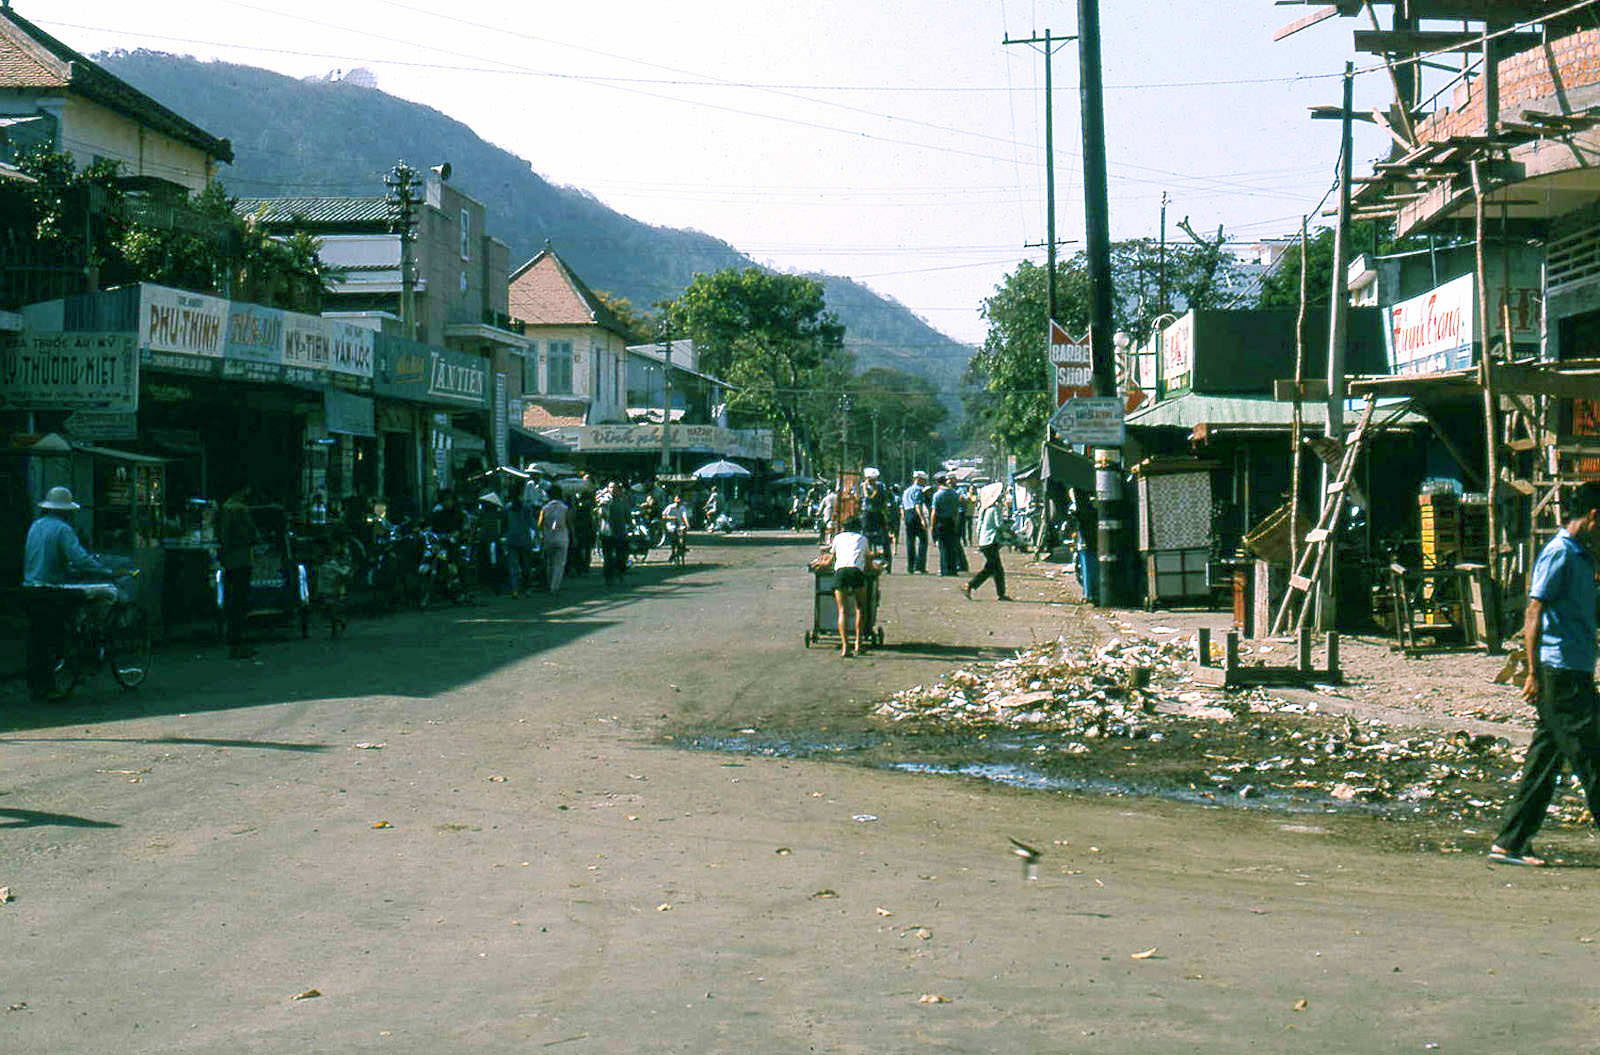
[(51, 554), (675, 518)]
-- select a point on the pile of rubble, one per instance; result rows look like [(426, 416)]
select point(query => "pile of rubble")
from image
[(1137, 688)]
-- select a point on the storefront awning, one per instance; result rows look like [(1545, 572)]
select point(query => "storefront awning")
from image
[(1196, 409)]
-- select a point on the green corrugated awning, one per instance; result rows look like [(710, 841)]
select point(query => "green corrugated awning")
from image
[(1193, 409)]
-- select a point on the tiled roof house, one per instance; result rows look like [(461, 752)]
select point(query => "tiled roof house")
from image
[(577, 363)]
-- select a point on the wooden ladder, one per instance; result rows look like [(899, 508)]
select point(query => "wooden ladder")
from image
[(1308, 569)]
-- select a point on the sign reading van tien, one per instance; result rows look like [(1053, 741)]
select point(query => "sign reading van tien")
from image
[(70, 371)]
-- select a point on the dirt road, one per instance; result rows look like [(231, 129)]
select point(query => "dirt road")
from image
[(522, 860)]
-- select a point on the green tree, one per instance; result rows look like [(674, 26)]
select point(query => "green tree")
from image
[(1010, 381), (772, 337), (1281, 287), (641, 325), (902, 409)]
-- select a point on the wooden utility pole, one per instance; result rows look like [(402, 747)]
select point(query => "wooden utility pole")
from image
[(1048, 45), (1097, 235), (1338, 308), (666, 398), (1297, 423), (1491, 438)]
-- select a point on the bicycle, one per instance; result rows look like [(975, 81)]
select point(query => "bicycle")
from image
[(680, 546), (108, 629)]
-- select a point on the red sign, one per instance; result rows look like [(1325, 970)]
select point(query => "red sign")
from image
[(1073, 362)]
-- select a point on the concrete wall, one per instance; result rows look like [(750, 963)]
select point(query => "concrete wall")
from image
[(599, 368), (89, 129)]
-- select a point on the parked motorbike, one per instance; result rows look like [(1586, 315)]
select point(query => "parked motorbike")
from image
[(644, 534), (442, 568)]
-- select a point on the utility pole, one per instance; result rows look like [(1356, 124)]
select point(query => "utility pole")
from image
[(875, 436), (666, 397), (1050, 45), (1161, 308), (1097, 232), (1338, 308), (846, 404), (403, 200)]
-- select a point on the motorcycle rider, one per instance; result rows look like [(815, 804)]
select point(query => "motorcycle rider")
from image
[(676, 520), (51, 552)]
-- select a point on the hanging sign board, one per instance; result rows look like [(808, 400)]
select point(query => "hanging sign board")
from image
[(350, 355), (1072, 359), (70, 371), (1432, 332), (1177, 355), (254, 347), (1091, 421), (180, 331)]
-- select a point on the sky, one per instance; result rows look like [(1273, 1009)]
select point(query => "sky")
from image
[(898, 142)]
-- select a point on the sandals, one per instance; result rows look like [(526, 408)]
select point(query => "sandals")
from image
[(1524, 858)]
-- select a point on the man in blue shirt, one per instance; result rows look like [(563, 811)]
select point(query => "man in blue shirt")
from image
[(947, 526), (1558, 638), (914, 513), (52, 553)]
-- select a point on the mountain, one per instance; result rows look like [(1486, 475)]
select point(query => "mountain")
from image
[(339, 135)]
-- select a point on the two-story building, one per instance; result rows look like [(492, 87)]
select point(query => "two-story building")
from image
[(55, 97), (577, 363), (459, 295)]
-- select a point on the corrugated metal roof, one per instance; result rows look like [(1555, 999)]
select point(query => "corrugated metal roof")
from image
[(1198, 408), (311, 210)]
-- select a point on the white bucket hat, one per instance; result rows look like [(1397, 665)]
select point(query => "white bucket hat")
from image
[(59, 498), (871, 473)]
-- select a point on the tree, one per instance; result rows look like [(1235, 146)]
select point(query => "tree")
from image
[(773, 338), (902, 409), (641, 325), (1011, 378), (1281, 287)]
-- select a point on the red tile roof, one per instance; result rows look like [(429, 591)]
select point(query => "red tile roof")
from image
[(546, 292), (32, 58)]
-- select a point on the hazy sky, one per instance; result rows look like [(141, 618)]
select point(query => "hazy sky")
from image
[(896, 141)]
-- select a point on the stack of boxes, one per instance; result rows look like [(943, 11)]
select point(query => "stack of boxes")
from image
[(1441, 546)]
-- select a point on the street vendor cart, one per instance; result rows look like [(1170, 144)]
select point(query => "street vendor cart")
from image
[(825, 612)]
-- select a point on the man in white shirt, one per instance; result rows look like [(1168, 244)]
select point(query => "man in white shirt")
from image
[(850, 591), (830, 510)]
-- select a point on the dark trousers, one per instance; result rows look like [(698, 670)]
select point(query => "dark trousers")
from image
[(916, 544), (1568, 733), (991, 570), (615, 551), (235, 602), (48, 612), (948, 536)]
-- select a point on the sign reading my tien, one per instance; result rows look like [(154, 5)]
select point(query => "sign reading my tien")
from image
[(70, 371)]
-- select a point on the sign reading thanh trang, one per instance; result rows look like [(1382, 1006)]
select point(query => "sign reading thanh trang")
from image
[(1432, 332), (254, 347), (70, 371)]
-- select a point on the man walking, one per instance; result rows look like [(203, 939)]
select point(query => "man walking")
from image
[(992, 501), (914, 512), (50, 554), (1558, 637), (947, 527)]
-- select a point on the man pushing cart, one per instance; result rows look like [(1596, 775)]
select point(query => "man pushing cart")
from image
[(845, 597)]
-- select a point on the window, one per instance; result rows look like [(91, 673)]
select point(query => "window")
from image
[(559, 369), (530, 371), (466, 235)]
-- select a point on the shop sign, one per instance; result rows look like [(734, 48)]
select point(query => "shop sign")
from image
[(180, 331), (1177, 355), (254, 347), (1072, 359), (350, 354), (70, 371), (425, 374), (99, 425), (348, 414), (307, 349), (703, 439), (1093, 422), (1432, 332)]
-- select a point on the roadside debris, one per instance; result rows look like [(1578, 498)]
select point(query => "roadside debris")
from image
[(309, 994), (5, 895), (933, 998), (1146, 954), (1129, 708)]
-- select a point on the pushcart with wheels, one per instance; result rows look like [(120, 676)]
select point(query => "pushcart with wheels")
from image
[(825, 613)]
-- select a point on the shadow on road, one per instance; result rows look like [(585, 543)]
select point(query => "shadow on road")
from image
[(11, 818), (932, 650), (405, 653), (182, 741)]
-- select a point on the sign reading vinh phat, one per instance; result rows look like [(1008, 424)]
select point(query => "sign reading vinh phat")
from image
[(70, 371)]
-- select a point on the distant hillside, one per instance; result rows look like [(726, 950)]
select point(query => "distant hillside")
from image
[(338, 137)]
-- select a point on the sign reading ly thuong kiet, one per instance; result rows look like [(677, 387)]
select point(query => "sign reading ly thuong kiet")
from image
[(70, 371)]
